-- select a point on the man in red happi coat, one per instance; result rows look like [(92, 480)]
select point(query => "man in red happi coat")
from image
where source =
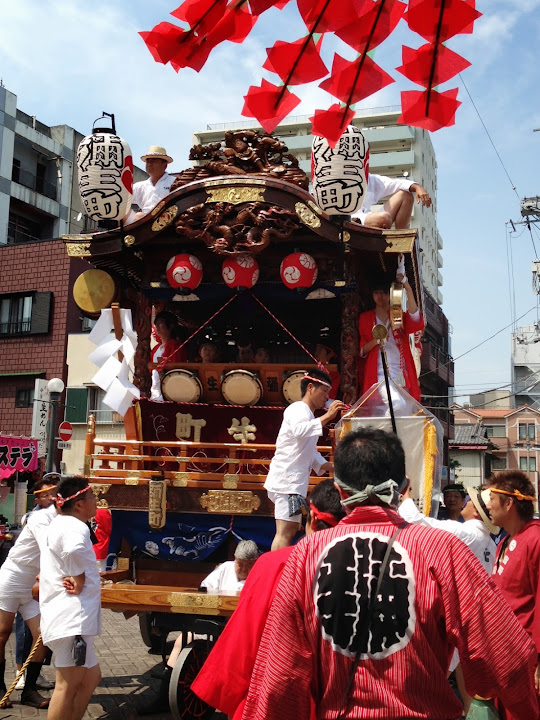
[(434, 597)]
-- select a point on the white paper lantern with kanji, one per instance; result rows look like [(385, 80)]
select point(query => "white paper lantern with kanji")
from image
[(298, 270), (340, 174), (241, 271), (105, 168), (184, 271)]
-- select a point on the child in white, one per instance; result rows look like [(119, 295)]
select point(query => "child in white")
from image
[(70, 599)]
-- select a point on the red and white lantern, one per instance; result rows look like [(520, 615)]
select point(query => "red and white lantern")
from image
[(340, 174), (105, 168), (184, 271), (298, 270), (241, 271)]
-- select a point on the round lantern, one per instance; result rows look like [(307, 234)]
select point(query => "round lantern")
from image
[(105, 168), (340, 174), (298, 270), (184, 271), (241, 271)]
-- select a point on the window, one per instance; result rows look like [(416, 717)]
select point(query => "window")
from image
[(88, 323), (498, 463), (16, 170), (24, 397), (526, 431), (497, 431), (531, 463), (85, 401), (25, 314)]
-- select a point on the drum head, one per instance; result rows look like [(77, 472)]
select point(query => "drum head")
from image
[(241, 387), (291, 386), (181, 386)]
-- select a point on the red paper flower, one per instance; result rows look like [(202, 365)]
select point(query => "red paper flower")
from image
[(331, 123), (201, 15), (329, 15), (260, 6), (297, 62), (457, 16), (163, 41), (357, 33), (269, 104), (441, 113), (353, 81), (418, 64)]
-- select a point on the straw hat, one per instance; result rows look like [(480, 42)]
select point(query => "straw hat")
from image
[(157, 152), (480, 501)]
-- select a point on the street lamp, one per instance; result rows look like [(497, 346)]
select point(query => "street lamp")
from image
[(55, 388)]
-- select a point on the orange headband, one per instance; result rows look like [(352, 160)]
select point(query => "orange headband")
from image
[(514, 493), (45, 489)]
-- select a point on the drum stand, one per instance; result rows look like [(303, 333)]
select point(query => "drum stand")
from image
[(380, 333)]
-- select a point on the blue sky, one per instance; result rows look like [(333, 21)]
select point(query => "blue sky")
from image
[(68, 60)]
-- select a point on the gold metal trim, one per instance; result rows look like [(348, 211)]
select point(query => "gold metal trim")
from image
[(402, 241), (157, 504), (346, 236), (165, 218), (192, 603), (159, 207), (133, 478), (231, 181), (316, 209), (235, 195), (230, 481), (87, 465), (99, 489), (234, 502), (180, 479), (307, 216), (129, 240), (81, 249)]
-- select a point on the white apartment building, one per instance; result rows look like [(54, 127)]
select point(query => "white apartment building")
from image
[(395, 150), (525, 364)]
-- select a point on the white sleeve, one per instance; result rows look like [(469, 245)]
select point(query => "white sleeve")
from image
[(300, 424), (382, 186), (412, 514), (212, 582), (73, 550), (318, 461)]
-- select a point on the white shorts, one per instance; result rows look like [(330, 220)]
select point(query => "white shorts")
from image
[(281, 507), (62, 650), (16, 595)]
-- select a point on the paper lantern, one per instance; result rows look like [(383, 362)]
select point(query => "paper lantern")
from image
[(340, 174), (184, 271), (105, 166), (241, 271), (298, 270)]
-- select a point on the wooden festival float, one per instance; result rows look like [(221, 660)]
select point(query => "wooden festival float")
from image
[(191, 469)]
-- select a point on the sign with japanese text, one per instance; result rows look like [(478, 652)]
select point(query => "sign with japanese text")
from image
[(40, 416), (17, 454)]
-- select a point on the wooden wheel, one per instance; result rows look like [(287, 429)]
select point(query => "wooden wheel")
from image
[(149, 633), (184, 704)]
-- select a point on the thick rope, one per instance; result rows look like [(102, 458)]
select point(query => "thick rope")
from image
[(4, 701)]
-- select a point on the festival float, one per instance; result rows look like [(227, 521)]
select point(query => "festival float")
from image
[(243, 255)]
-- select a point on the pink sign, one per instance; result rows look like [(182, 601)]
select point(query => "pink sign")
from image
[(17, 454)]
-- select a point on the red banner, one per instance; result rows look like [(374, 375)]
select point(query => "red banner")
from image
[(17, 454)]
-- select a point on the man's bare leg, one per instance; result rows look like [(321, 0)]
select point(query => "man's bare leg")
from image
[(285, 532), (33, 626), (73, 691), (6, 625), (379, 219), (399, 206)]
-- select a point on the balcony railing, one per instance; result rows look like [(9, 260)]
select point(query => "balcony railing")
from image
[(15, 328), (16, 236), (39, 184)]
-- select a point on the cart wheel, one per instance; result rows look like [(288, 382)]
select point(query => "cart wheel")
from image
[(184, 704), (149, 634)]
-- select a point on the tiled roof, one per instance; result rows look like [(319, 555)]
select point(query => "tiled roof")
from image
[(495, 412), (471, 434)]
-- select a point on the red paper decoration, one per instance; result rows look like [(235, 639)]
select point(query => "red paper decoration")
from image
[(241, 271), (298, 270), (184, 271), (361, 24)]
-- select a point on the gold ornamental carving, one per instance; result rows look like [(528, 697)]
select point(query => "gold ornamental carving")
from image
[(180, 479), (193, 603), (165, 219), (235, 195), (230, 481), (80, 249), (129, 240), (157, 504), (133, 478), (307, 216), (346, 236), (100, 490), (316, 209), (230, 502), (159, 207)]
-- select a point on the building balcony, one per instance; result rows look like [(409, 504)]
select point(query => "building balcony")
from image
[(435, 360), (34, 182)]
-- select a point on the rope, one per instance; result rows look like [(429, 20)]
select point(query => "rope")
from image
[(4, 701), (164, 361)]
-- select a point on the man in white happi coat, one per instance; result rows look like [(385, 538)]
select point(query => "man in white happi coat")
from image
[(148, 193), (397, 209), (296, 454)]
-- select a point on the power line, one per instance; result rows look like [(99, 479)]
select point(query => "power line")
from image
[(490, 138)]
